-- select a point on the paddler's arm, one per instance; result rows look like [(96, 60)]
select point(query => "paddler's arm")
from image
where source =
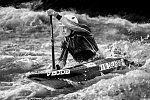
[(70, 24), (67, 22), (63, 57)]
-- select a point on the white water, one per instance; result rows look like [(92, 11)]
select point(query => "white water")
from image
[(25, 47)]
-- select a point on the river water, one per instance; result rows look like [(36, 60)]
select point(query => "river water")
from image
[(25, 48)]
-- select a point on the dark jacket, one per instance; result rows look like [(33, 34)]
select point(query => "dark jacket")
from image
[(80, 44)]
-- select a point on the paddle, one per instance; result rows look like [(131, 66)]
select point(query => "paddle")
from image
[(52, 40)]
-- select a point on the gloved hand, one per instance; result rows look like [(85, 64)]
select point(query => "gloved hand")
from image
[(51, 12), (60, 65)]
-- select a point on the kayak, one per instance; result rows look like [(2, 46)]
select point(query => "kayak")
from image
[(78, 74)]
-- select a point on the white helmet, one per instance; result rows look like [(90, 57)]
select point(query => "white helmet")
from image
[(71, 17)]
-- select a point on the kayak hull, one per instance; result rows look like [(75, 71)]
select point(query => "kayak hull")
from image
[(78, 74)]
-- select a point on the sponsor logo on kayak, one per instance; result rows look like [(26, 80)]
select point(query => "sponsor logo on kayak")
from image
[(110, 65), (59, 72), (90, 64)]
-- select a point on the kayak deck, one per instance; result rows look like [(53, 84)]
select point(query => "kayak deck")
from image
[(79, 73)]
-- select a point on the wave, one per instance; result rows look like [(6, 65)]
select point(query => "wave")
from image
[(25, 47), (26, 23)]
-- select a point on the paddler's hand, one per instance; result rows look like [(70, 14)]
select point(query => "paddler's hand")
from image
[(51, 12), (60, 65)]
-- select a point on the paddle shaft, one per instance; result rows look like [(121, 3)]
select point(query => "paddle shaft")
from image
[(52, 40)]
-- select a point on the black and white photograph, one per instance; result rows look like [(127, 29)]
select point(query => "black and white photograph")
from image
[(74, 50)]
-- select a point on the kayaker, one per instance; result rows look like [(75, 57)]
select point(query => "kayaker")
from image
[(78, 39)]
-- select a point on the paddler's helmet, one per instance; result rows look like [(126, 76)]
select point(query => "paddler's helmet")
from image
[(74, 19), (71, 17)]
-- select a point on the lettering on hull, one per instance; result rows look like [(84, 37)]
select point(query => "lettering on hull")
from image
[(90, 65), (59, 72), (110, 65)]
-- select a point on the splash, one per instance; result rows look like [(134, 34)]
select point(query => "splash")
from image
[(26, 48)]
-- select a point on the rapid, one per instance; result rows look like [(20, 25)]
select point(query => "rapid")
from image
[(25, 48)]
